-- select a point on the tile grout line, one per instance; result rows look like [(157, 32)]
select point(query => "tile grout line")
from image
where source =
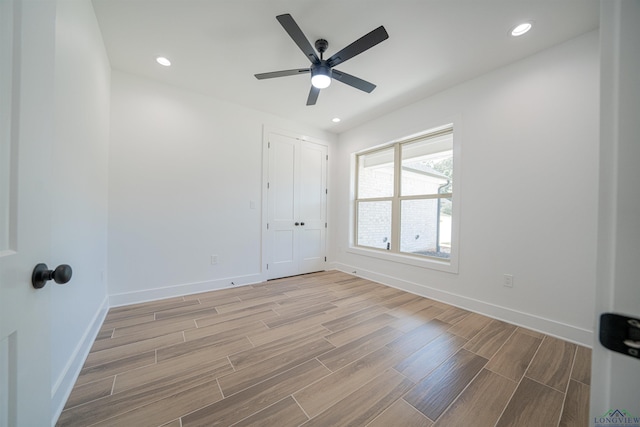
[(464, 389), (268, 378), (502, 376), (299, 405), (250, 342), (573, 359), (524, 374), (320, 361), (543, 384), (410, 379), (580, 382), (200, 408), (257, 412), (220, 388), (518, 383), (498, 351), (230, 363), (573, 365), (398, 400), (566, 389), (409, 391)]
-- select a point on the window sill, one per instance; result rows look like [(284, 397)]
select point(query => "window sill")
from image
[(417, 261)]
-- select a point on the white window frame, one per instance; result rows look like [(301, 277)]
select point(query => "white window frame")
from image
[(447, 265)]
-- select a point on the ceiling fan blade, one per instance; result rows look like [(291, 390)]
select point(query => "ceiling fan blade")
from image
[(282, 73), (313, 95), (298, 36), (353, 81), (363, 43)]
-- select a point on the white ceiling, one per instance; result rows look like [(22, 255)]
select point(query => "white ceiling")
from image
[(216, 46)]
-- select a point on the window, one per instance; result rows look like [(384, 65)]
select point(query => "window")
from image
[(404, 197)]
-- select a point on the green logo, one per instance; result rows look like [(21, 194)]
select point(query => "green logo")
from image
[(617, 418)]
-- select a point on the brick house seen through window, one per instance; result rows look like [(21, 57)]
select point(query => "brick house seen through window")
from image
[(404, 196)]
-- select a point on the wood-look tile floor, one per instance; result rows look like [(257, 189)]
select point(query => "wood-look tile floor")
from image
[(324, 349)]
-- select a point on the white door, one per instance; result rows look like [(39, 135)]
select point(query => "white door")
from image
[(312, 207), (296, 206), (27, 37), (615, 384)]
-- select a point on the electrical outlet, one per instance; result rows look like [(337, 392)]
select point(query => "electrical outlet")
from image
[(214, 259), (508, 280)]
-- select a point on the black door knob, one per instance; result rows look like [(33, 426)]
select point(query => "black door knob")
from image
[(302, 223), (41, 274), (296, 224)]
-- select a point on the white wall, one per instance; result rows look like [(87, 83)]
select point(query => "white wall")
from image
[(79, 176), (529, 162), (183, 171)]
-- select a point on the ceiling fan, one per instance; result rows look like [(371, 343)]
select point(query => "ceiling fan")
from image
[(322, 71)]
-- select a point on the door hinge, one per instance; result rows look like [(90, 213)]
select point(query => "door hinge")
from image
[(325, 259), (327, 157), (268, 144), (267, 266), (268, 185), (325, 225), (267, 226)]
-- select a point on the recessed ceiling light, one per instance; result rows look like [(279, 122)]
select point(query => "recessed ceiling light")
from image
[(336, 120), (163, 61), (521, 29)]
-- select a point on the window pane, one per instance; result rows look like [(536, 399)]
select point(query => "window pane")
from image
[(426, 227), (375, 174), (427, 166), (374, 224)]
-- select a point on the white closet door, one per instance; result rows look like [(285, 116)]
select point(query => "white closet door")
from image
[(297, 206), (312, 207), (282, 189)]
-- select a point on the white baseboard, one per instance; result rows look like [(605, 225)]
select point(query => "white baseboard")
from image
[(146, 295), (64, 384), (554, 328)]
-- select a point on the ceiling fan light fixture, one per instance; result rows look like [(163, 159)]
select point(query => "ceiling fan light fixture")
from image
[(321, 81), (321, 76)]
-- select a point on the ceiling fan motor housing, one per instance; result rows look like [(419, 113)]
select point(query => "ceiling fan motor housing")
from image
[(322, 45), (321, 68)]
